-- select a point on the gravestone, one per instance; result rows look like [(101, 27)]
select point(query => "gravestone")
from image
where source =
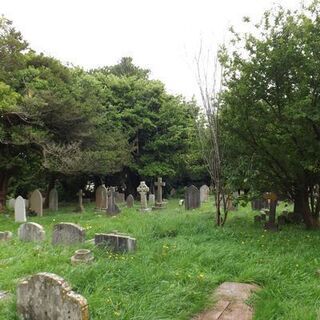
[(53, 200), (130, 201), (173, 192), (46, 296), (20, 210), (116, 242), (5, 235), (151, 199), (11, 203), (102, 197), (112, 209), (159, 201), (120, 197), (192, 198), (204, 193), (36, 202), (31, 231), (143, 189), (68, 233), (80, 207)]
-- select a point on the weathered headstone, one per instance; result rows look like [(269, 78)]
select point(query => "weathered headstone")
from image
[(20, 210), (192, 198), (36, 202), (5, 235), (130, 201), (112, 209), (80, 207), (46, 296), (82, 256), (143, 189), (53, 200), (204, 193), (116, 242), (120, 197), (31, 231), (159, 201), (102, 197), (11, 203), (68, 233), (151, 199)]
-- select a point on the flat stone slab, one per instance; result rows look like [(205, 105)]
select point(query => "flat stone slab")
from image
[(231, 302)]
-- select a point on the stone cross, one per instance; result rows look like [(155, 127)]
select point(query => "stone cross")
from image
[(80, 207), (159, 184), (143, 189), (112, 207)]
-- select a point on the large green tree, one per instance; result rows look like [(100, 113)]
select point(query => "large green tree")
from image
[(272, 108)]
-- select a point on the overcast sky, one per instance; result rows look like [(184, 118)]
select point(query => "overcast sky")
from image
[(161, 35)]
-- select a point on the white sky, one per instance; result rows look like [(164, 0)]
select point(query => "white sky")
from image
[(161, 35)]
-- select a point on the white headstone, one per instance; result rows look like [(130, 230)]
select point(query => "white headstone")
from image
[(20, 210), (204, 193)]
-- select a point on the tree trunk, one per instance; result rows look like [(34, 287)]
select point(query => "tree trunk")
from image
[(4, 179)]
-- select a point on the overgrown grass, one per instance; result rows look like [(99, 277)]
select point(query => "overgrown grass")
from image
[(180, 260)]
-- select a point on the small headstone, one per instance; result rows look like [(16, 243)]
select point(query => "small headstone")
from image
[(115, 242), (31, 231), (102, 197), (20, 210), (46, 296), (192, 198), (130, 201), (5, 235), (151, 200), (143, 189), (120, 197), (36, 202), (112, 209), (80, 207), (68, 233), (159, 201), (82, 256), (204, 193), (11, 203), (53, 200)]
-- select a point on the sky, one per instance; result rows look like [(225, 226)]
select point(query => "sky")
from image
[(161, 35)]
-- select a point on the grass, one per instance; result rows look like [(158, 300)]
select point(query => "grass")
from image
[(181, 258)]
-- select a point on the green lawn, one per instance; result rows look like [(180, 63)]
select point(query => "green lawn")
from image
[(181, 258)]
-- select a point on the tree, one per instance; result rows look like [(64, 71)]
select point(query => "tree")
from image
[(272, 109)]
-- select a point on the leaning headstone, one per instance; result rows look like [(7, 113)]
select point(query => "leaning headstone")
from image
[(11, 203), (46, 296), (68, 233), (116, 242), (130, 201), (5, 235), (151, 200), (80, 207), (102, 197), (53, 200), (143, 189), (31, 231), (192, 198), (112, 209), (204, 193), (20, 210), (159, 201), (36, 202)]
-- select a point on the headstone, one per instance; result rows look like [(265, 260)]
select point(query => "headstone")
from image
[(80, 207), (181, 202), (5, 235), (31, 231), (130, 201), (53, 200), (159, 201), (143, 189), (112, 209), (151, 199), (116, 242), (36, 202), (11, 203), (46, 296), (192, 198), (102, 197), (68, 233), (120, 197), (173, 192), (20, 210), (204, 193), (82, 256)]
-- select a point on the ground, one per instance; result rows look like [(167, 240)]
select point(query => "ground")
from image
[(181, 258)]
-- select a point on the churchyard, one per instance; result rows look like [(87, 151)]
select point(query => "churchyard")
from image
[(178, 262)]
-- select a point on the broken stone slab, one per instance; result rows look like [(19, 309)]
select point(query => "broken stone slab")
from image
[(48, 296), (231, 302), (5, 235), (82, 256), (116, 242)]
